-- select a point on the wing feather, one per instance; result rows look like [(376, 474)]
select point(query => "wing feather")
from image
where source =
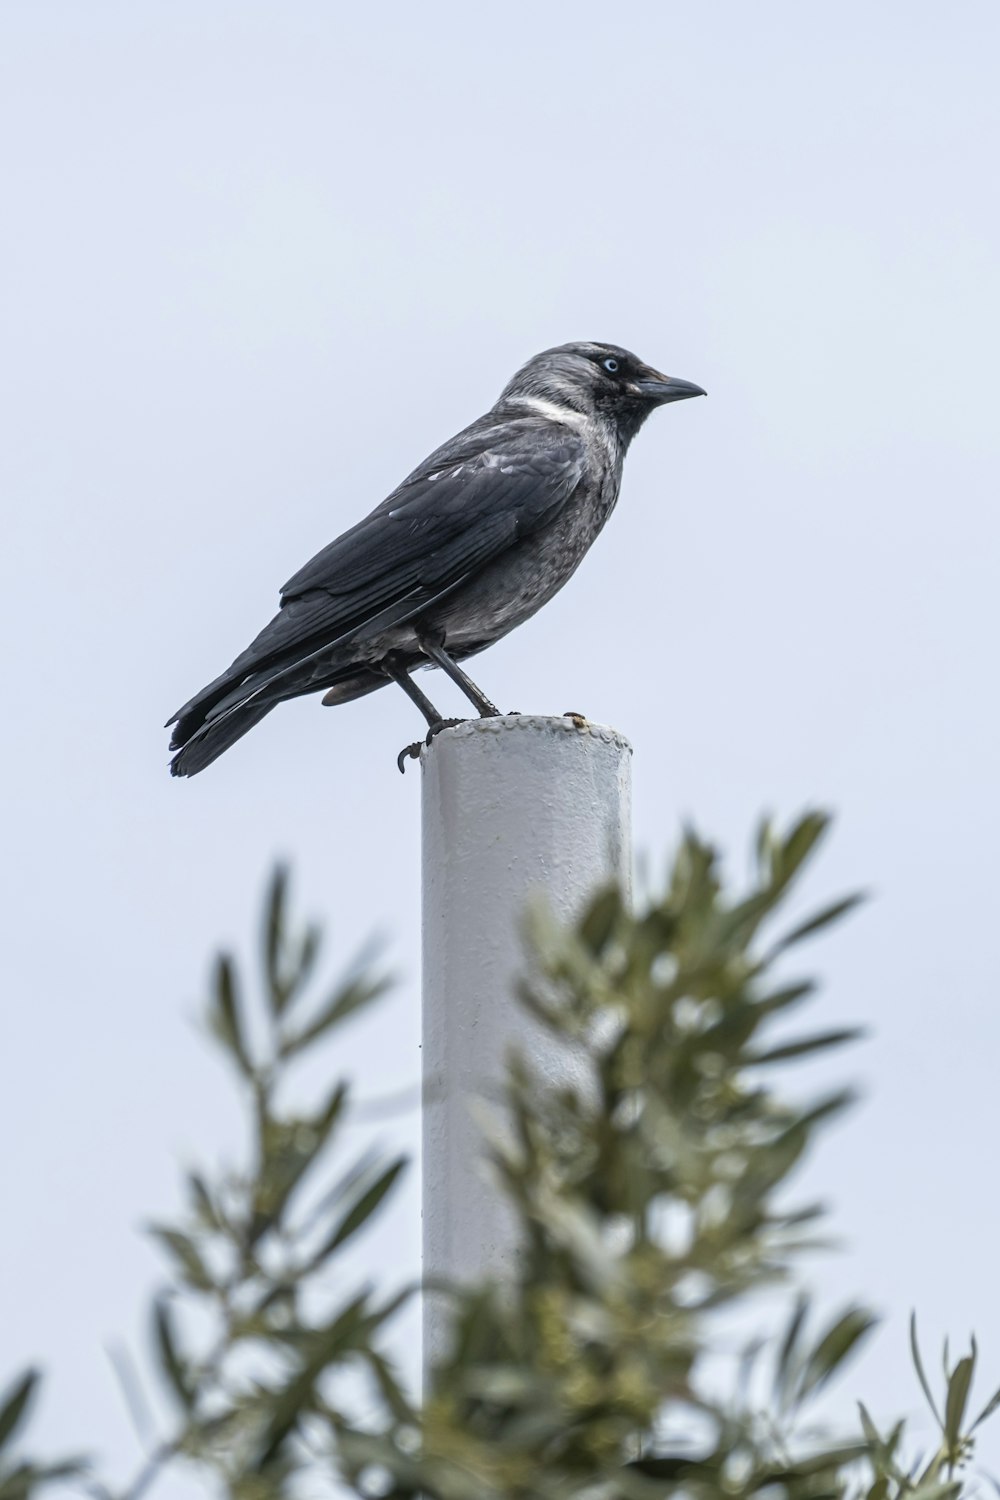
[(462, 508)]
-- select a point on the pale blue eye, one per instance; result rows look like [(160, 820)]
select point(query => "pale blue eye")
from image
[(611, 364)]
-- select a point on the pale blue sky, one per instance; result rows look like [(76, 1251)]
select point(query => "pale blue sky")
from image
[(256, 261)]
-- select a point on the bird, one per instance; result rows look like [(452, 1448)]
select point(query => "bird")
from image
[(473, 542)]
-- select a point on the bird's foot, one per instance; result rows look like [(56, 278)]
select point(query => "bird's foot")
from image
[(579, 720), (436, 729), (412, 752)]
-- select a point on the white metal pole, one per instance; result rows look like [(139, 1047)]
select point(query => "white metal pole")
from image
[(513, 807)]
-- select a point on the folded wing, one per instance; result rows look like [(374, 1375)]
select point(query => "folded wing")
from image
[(466, 505)]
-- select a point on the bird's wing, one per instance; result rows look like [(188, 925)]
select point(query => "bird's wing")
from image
[(439, 519), (464, 506), (455, 514)]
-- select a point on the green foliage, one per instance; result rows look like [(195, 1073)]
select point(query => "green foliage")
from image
[(19, 1479), (647, 1193), (650, 1191)]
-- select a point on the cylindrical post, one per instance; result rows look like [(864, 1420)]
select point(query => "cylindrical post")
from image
[(513, 808)]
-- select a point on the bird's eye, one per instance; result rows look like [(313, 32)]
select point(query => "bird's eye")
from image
[(611, 365)]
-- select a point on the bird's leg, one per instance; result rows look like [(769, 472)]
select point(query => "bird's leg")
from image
[(393, 669), (475, 695)]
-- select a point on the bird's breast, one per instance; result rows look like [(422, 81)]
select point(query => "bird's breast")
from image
[(512, 587)]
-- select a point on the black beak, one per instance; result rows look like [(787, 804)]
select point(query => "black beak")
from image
[(663, 388)]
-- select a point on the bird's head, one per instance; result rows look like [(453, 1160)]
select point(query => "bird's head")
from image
[(600, 381)]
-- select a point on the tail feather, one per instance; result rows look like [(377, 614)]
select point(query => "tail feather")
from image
[(216, 735), (222, 714)]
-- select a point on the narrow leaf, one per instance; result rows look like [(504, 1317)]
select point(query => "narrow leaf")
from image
[(831, 1105), (837, 1343), (822, 919), (202, 1201), (274, 939), (818, 1463), (363, 1208), (391, 1390), (133, 1393), (170, 1360), (785, 1363), (764, 844), (991, 1406), (348, 1183), (184, 1252), (790, 856), (868, 1427), (305, 960), (957, 1400), (344, 1003), (784, 998), (806, 1045), (224, 1015), (601, 920), (16, 1405), (918, 1365)]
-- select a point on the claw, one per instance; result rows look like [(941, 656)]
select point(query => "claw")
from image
[(409, 752), (579, 720), (412, 752)]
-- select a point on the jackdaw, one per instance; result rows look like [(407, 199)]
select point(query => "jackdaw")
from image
[(479, 537)]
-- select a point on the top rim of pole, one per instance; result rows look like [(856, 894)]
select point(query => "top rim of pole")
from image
[(561, 724)]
